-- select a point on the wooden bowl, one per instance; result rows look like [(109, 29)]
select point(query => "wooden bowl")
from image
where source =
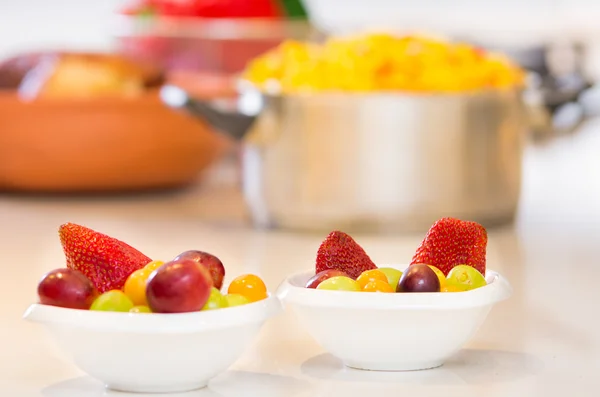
[(96, 145)]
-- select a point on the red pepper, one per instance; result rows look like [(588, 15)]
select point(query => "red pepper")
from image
[(175, 8), (216, 8)]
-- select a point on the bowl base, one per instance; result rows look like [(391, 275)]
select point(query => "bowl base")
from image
[(392, 367), (177, 388)]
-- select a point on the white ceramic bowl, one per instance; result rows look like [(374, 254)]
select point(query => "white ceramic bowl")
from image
[(391, 332), (155, 353)]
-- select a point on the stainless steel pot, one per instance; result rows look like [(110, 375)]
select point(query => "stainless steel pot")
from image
[(374, 162)]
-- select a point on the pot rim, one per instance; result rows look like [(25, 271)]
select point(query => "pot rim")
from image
[(244, 86)]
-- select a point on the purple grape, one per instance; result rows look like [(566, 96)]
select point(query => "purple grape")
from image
[(209, 261), (419, 278)]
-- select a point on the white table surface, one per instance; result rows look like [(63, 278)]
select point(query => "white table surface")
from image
[(544, 341)]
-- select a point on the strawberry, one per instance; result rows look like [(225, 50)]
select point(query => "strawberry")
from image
[(106, 261), (450, 242), (339, 251)]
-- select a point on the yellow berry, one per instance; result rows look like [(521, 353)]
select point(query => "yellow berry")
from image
[(378, 286), (451, 288), (250, 286), (152, 266), (439, 275), (135, 286), (371, 275), (140, 309)]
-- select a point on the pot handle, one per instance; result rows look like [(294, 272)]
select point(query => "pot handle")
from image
[(234, 123), (558, 108)]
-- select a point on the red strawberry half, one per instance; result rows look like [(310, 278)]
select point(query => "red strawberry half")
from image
[(339, 251), (450, 242), (106, 261)]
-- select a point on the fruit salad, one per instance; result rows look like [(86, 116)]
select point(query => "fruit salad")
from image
[(106, 274), (451, 258)]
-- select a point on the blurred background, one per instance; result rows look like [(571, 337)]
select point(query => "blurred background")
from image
[(94, 93)]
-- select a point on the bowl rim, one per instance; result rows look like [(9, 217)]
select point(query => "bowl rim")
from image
[(155, 323), (149, 96), (292, 291)]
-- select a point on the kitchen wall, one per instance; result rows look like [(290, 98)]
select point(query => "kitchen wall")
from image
[(34, 24), (86, 24)]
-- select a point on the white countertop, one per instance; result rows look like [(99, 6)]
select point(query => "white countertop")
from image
[(543, 342)]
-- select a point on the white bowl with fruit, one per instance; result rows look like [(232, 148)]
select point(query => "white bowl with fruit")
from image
[(145, 326), (398, 318)]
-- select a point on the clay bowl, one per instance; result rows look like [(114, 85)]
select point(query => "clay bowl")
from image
[(100, 145)]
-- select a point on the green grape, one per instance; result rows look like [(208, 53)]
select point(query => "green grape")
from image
[(236, 300), (216, 300), (112, 301), (465, 277), (393, 276), (140, 309), (340, 283)]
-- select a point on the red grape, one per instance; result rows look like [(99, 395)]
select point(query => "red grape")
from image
[(209, 261), (419, 278), (178, 287), (67, 288)]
